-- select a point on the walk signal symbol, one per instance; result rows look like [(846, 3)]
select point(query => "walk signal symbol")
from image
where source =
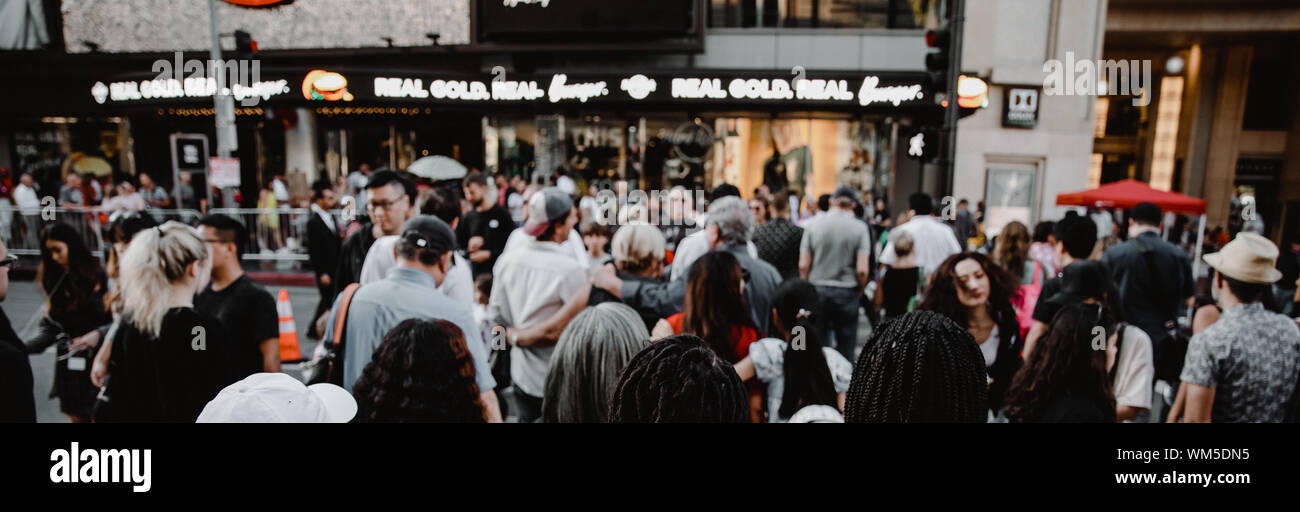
[(916, 145)]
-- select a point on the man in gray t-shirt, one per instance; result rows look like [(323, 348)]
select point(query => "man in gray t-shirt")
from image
[(834, 256)]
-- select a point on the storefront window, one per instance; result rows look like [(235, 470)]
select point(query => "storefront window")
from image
[(817, 13)]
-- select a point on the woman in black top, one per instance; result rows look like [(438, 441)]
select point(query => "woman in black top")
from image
[(1064, 380), (168, 360), (901, 281), (74, 284)]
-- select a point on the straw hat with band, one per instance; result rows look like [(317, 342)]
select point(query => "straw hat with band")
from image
[(1249, 258)]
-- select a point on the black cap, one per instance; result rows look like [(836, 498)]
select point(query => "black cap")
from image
[(429, 232), (1084, 279)]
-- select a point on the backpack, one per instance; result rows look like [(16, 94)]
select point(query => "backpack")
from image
[(1025, 299)]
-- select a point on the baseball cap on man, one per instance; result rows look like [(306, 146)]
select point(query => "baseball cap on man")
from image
[(429, 232), (1249, 258), (845, 191), (547, 205), (279, 398)]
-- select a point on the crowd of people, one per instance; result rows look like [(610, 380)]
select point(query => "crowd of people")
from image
[(490, 299)]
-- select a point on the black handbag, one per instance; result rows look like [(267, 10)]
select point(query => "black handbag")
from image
[(329, 368), (1170, 350)]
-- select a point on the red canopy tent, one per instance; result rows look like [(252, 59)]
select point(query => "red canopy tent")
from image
[(1128, 193)]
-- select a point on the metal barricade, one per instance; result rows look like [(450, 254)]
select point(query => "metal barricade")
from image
[(20, 228), (277, 235)]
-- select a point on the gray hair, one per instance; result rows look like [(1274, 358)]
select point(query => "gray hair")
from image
[(591, 353), (732, 216)]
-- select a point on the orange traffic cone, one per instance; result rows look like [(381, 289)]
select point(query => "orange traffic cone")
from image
[(288, 329)]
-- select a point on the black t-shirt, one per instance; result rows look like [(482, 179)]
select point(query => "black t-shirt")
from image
[(169, 378), (899, 286), (493, 225), (1066, 408), (17, 402), (248, 313), (1044, 311)]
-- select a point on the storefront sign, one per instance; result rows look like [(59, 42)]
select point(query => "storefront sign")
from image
[(872, 92), (638, 86), (171, 88), (1020, 108)]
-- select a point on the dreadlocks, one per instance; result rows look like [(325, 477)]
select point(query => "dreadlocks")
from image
[(679, 379), (920, 367)]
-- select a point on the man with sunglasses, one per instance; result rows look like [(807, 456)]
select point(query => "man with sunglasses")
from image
[(390, 200), (17, 403)]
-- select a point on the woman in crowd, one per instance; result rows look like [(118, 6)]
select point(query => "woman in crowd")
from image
[(679, 379), (1064, 380), (758, 206), (269, 220), (920, 368), (123, 226), (638, 251), (73, 284), (798, 375), (1129, 357), (422, 372), (1011, 252), (168, 360), (976, 294), (1043, 250), (595, 236), (715, 308), (591, 353), (901, 284)]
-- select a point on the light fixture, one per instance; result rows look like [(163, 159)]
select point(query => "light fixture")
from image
[(1174, 65), (434, 37)]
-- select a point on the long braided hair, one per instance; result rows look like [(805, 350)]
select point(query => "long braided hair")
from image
[(422, 372), (715, 307), (679, 379), (807, 376), (920, 367), (1063, 364)]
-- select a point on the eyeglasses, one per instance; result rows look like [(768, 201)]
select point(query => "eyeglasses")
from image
[(387, 205)]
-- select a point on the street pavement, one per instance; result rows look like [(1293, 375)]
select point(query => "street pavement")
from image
[(23, 307)]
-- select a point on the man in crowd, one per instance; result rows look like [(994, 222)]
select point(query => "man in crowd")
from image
[(424, 256), (694, 245), (964, 225), (390, 200), (17, 402), (188, 199), (1243, 367), (246, 310), (30, 210), (727, 228), (778, 240), (459, 283), (323, 241), (154, 195), (834, 255), (483, 231), (932, 240), (357, 183), (70, 194), (1153, 277), (1075, 237), (531, 284)]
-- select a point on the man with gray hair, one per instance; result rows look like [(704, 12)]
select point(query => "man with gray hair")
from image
[(728, 228), (834, 255)]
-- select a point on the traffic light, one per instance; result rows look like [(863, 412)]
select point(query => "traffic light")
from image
[(936, 61), (245, 46), (923, 144)]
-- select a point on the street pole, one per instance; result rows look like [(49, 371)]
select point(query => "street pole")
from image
[(956, 20), (223, 104)]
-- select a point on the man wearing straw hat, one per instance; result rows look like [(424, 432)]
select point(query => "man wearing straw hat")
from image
[(1245, 366)]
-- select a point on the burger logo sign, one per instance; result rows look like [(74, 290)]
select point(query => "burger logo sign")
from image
[(325, 85)]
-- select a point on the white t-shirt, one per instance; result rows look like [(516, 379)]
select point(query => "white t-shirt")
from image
[(932, 242), (1134, 370), (990, 348), (574, 245), (457, 286)]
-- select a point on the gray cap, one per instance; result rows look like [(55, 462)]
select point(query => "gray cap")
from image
[(547, 205), (429, 232), (846, 191)]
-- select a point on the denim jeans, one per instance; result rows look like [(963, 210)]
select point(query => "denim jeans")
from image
[(838, 324)]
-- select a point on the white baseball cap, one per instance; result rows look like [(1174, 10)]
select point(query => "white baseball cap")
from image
[(279, 398)]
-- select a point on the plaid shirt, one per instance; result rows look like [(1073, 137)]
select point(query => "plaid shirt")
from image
[(777, 242)]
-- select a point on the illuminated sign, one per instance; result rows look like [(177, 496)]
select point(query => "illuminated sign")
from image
[(916, 145), (1020, 109), (871, 92), (171, 88), (514, 3), (972, 92), (325, 85), (559, 90), (638, 86)]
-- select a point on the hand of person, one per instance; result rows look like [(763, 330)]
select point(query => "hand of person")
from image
[(98, 372), (475, 243), (607, 279), (86, 341), (324, 279)]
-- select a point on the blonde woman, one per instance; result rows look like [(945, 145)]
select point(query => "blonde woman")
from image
[(168, 360)]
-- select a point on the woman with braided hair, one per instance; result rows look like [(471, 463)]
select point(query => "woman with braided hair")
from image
[(679, 379), (976, 293), (1065, 379), (919, 368), (799, 377), (422, 372)]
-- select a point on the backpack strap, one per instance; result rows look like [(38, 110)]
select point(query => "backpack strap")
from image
[(340, 321), (1119, 346)]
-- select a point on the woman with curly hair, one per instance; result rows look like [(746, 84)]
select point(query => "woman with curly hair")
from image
[(679, 379), (1011, 252), (422, 372), (1065, 379), (74, 284), (918, 368), (976, 294)]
